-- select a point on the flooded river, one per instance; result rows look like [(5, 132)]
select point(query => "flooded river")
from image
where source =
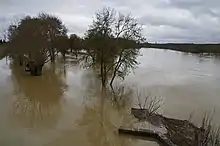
[(188, 83), (59, 108)]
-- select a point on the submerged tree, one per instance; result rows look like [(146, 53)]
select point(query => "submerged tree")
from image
[(111, 41), (32, 40), (54, 28), (62, 45), (27, 42), (75, 43)]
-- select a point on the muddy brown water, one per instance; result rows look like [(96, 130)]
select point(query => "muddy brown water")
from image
[(59, 108)]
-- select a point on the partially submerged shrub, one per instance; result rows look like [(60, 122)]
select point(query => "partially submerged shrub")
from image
[(121, 95), (151, 104), (208, 134)]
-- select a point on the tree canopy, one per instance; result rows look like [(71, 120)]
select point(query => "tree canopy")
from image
[(75, 43), (112, 41), (35, 36)]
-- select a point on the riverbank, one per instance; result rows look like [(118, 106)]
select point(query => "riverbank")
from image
[(170, 131), (184, 47)]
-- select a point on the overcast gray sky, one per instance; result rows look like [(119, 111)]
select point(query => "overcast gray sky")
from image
[(163, 20)]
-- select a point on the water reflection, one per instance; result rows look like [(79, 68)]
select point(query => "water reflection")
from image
[(101, 121), (53, 107), (37, 101), (97, 124)]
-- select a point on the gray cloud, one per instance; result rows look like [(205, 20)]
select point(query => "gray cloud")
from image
[(163, 20)]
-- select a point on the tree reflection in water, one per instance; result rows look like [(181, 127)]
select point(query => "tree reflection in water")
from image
[(37, 99), (102, 119)]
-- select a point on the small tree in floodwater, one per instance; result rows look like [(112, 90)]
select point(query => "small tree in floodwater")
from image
[(62, 45), (75, 44), (53, 27), (112, 44), (32, 39)]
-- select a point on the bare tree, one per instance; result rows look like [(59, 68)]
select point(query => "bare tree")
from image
[(112, 43), (128, 34), (53, 28), (151, 104)]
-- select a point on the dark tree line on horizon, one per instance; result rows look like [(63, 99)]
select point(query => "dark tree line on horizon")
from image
[(186, 47)]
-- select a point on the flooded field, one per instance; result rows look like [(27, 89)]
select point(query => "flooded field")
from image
[(60, 107)]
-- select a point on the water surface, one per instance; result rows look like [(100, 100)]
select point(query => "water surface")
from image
[(188, 83), (59, 108)]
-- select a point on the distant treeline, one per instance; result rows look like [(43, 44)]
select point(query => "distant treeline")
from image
[(186, 47)]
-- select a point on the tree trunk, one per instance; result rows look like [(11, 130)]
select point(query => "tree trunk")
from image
[(64, 55), (114, 74), (52, 55), (20, 60), (115, 70), (102, 75), (20, 63), (76, 54), (35, 69), (103, 69)]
